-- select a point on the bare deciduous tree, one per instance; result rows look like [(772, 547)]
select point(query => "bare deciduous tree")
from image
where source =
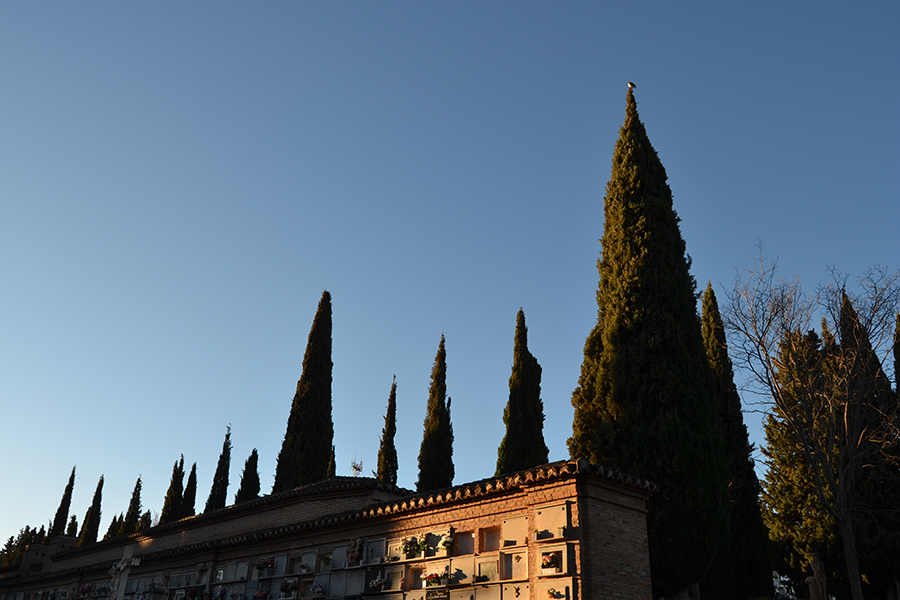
[(831, 393)]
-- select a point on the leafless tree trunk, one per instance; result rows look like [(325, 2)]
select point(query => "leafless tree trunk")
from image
[(831, 409)]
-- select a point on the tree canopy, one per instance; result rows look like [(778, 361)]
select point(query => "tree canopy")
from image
[(305, 451), (523, 444), (644, 401), (436, 451)]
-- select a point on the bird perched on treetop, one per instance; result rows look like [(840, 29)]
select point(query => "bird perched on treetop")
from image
[(631, 86)]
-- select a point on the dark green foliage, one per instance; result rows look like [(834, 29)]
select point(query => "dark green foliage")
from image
[(436, 452), (14, 549), (145, 522), (387, 452), (72, 528), (797, 521), (644, 402), (332, 464), (249, 488), (133, 514), (114, 526), (741, 569), (305, 450), (523, 444), (90, 528), (172, 504), (190, 495), (62, 513), (831, 487), (218, 494)]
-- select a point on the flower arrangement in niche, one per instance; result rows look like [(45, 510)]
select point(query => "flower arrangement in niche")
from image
[(288, 586), (317, 589), (354, 551), (423, 543), (265, 564), (376, 583), (221, 591), (408, 545), (85, 589), (261, 594), (552, 593), (439, 578), (550, 560)]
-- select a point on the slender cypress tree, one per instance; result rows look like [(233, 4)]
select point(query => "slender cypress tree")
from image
[(218, 494), (114, 526), (332, 464), (523, 444), (90, 528), (249, 488), (172, 504), (72, 528), (305, 450), (62, 513), (742, 568), (189, 499), (644, 401), (387, 452), (129, 523), (436, 452), (145, 522)]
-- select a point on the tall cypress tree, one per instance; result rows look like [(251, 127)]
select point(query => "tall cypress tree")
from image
[(58, 526), (174, 495), (189, 499), (742, 568), (218, 494), (387, 452), (305, 450), (114, 526), (436, 452), (644, 401), (523, 444), (249, 488), (90, 528), (129, 523)]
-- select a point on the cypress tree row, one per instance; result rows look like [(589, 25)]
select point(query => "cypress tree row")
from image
[(304, 456), (172, 504), (644, 401), (436, 452), (90, 528), (742, 568), (523, 444), (387, 452), (62, 513), (190, 495), (218, 495), (249, 488), (129, 523)]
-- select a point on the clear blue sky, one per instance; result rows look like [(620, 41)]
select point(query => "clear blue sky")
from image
[(179, 182)]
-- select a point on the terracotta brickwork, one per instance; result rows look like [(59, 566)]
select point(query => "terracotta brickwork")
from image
[(563, 531)]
